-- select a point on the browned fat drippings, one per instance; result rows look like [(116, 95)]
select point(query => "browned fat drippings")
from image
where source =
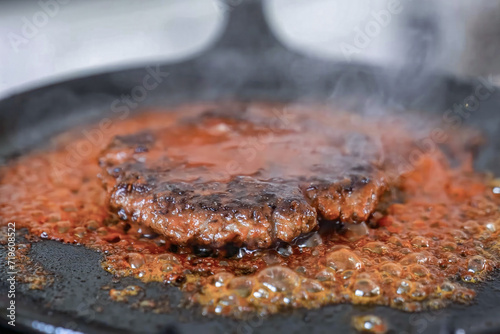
[(26, 270), (122, 295), (417, 254)]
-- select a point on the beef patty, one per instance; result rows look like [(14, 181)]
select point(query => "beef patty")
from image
[(248, 177)]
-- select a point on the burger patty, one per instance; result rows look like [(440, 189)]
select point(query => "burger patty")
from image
[(248, 177)]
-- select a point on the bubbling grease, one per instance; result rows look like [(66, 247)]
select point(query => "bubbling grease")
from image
[(419, 252)]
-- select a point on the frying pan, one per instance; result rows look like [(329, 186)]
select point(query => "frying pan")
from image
[(247, 63)]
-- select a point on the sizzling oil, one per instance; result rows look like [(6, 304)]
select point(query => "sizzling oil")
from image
[(417, 253)]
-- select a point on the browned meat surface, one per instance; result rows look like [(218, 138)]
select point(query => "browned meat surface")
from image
[(249, 180)]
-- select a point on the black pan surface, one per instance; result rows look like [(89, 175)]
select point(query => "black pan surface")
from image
[(246, 64)]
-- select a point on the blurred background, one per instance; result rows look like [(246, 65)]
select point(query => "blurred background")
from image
[(51, 40)]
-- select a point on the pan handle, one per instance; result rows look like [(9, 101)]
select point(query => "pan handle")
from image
[(246, 29)]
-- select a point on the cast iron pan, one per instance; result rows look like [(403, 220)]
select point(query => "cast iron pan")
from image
[(246, 64)]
